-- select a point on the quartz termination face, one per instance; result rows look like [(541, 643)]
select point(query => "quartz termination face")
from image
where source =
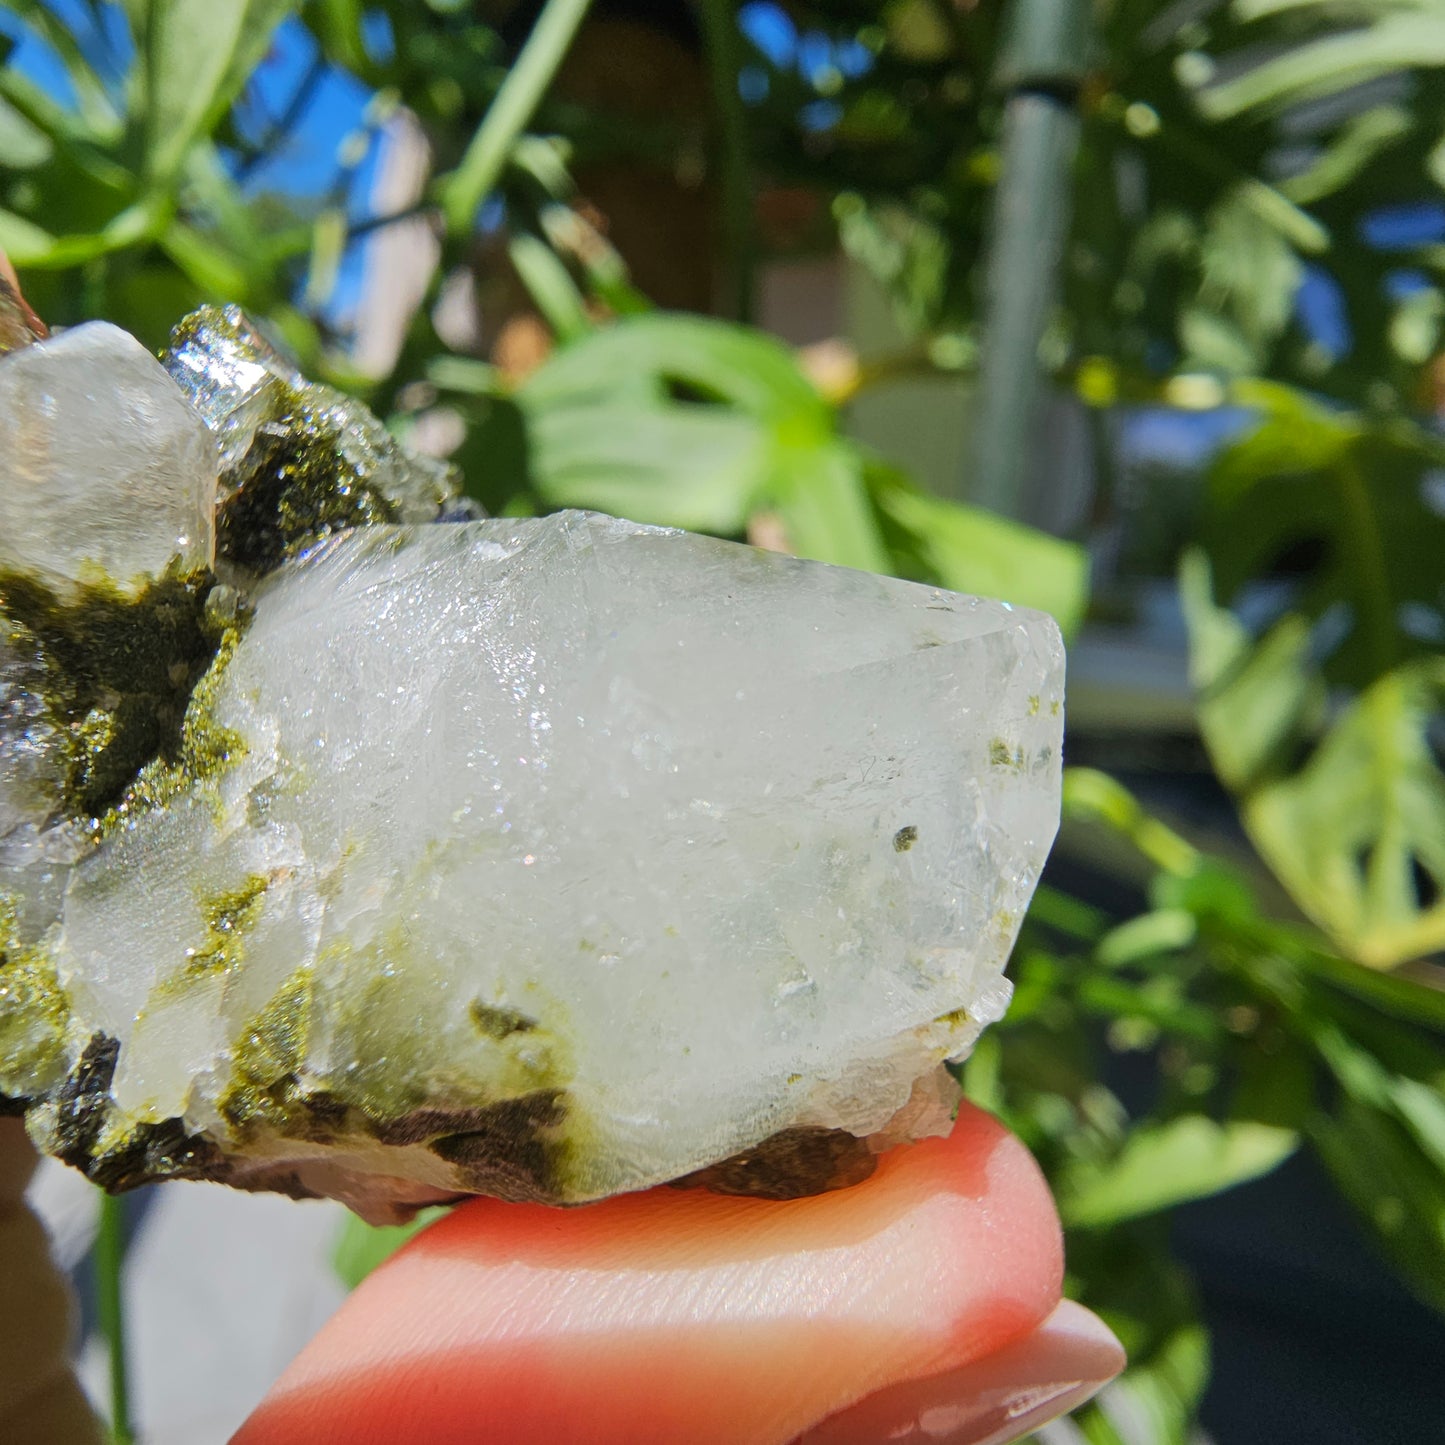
[(95, 436), (546, 859)]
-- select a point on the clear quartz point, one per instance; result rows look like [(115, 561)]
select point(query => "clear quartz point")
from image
[(107, 476), (557, 858)]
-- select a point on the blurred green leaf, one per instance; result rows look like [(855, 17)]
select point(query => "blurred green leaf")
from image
[(1391, 1079), (693, 423), (1156, 1399), (361, 1247), (663, 354), (1360, 141), (197, 56), (28, 245), (1249, 273), (1337, 59), (1095, 797), (206, 264), (94, 104), (1211, 891), (971, 550), (1161, 1165), (463, 191), (338, 26), (1393, 1187), (1354, 831), (1415, 327), (550, 286), (1141, 1010), (1393, 994), (1162, 931), (23, 145), (1254, 701), (1066, 914), (827, 511), (23, 241), (672, 420), (702, 468), (1128, 1276), (1347, 493), (68, 129)]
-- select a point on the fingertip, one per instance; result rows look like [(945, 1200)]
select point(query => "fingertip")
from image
[(1002, 1397)]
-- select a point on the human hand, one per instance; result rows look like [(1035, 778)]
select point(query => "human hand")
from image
[(921, 1305), (40, 1400)]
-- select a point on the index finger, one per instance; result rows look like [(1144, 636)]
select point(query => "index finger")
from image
[(670, 1316)]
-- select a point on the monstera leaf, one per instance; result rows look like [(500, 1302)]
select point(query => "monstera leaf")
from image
[(1337, 512), (1357, 831), (697, 423)]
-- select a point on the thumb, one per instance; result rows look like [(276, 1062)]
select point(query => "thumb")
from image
[(40, 1400)]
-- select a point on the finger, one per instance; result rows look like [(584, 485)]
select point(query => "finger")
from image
[(672, 1315), (1002, 1397), (19, 325), (40, 1400)]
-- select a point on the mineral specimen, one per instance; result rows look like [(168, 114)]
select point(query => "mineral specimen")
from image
[(545, 858)]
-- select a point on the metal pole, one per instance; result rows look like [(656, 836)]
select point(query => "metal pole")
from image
[(1040, 69)]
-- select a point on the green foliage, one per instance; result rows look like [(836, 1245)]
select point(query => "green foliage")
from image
[(689, 422), (362, 1247), (195, 57), (1189, 1157), (1265, 1040), (1353, 828)]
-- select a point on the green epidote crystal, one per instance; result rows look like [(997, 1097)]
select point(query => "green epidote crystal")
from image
[(34, 1014), (111, 674), (299, 460)]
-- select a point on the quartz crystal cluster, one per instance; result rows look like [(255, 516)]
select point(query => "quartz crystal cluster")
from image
[(349, 849)]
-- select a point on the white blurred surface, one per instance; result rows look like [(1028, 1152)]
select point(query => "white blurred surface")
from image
[(221, 1290)]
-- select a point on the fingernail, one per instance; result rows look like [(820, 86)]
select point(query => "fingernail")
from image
[(1002, 1397)]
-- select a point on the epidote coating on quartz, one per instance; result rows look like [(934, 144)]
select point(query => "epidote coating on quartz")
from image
[(106, 473), (544, 858), (299, 459)]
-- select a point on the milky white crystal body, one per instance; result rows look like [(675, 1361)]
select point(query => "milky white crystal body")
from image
[(705, 841), (107, 475)]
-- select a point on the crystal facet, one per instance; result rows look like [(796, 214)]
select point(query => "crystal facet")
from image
[(107, 476)]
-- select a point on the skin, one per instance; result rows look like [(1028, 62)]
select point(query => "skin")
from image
[(40, 1401), (19, 325), (922, 1305)]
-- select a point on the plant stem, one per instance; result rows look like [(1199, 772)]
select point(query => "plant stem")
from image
[(464, 190), (1370, 565), (719, 19), (109, 1257)]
